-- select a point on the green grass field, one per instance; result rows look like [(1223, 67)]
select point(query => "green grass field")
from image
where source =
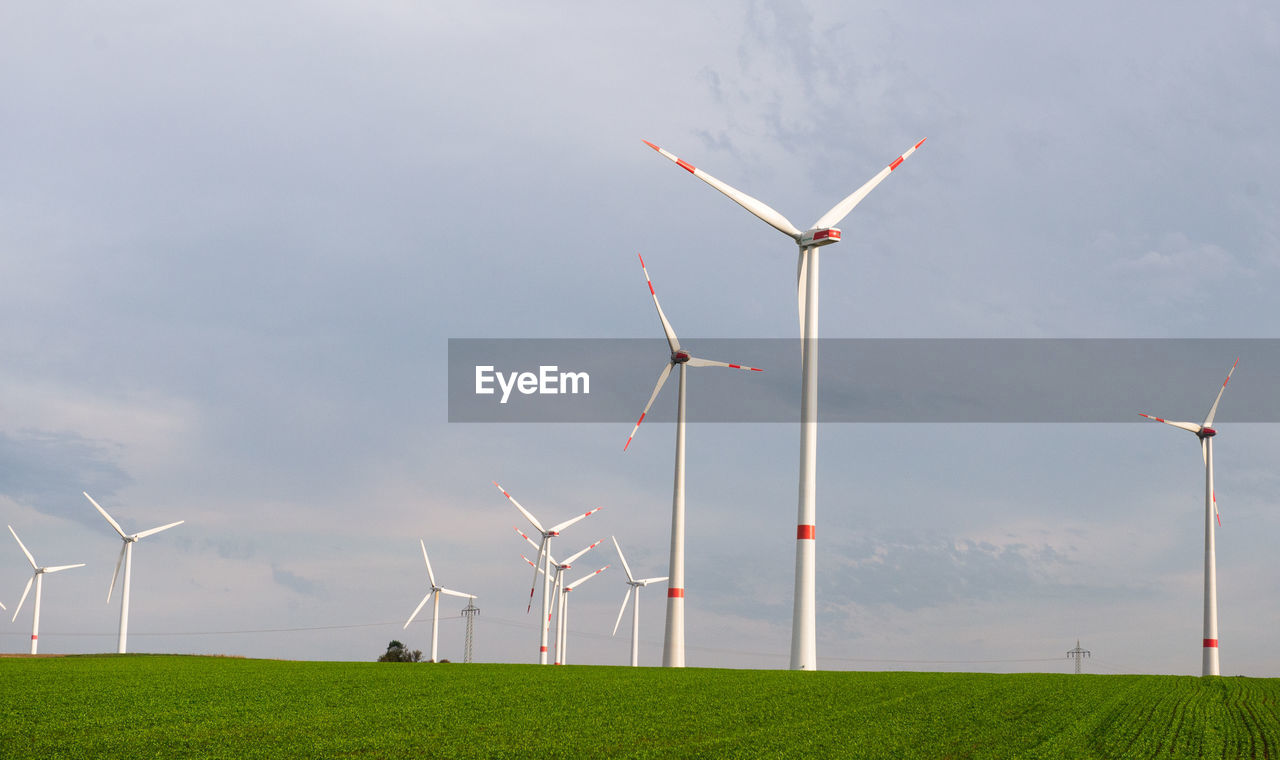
[(138, 706)]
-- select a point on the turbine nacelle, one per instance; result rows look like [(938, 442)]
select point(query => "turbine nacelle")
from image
[(680, 357), (819, 236), (1207, 432)]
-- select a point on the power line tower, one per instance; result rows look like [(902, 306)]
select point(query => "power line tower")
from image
[(1076, 654), (470, 612)]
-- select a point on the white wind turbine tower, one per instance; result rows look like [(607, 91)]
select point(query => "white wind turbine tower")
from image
[(38, 577), (673, 638), (632, 585), (1205, 432), (126, 556), (547, 535), (562, 627), (434, 595), (804, 644)]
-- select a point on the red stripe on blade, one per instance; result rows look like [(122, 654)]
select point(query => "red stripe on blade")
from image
[(896, 163), (675, 593), (1211, 643), (805, 532), (685, 165)]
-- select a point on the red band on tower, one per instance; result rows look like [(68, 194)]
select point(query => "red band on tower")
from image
[(1211, 643), (675, 593), (806, 532)]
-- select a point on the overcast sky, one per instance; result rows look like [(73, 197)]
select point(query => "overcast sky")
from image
[(235, 242)]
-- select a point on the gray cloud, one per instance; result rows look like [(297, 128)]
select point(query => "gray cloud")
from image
[(47, 471)]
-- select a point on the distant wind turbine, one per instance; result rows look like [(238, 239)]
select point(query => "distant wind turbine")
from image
[(38, 577), (562, 628), (560, 567), (126, 556), (673, 637), (434, 594), (632, 585), (1205, 432), (804, 643), (543, 556)]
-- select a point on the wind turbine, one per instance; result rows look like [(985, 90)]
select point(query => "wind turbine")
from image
[(804, 644), (562, 628), (560, 567), (38, 577), (126, 556), (434, 594), (547, 535), (632, 585), (1205, 432), (673, 637)]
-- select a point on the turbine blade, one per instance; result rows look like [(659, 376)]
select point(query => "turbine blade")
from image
[(123, 548), (2, 607), (1208, 421), (647, 581), (523, 511), (1193, 427), (1204, 451), (114, 524), (761, 210), (662, 378), (585, 578), (537, 568), (621, 610), (570, 560), (625, 567), (532, 543), (60, 568), (839, 211), (426, 559), (672, 340), (154, 531), (572, 520), (451, 592), (30, 559), (696, 362), (418, 609), (802, 265), (25, 591)]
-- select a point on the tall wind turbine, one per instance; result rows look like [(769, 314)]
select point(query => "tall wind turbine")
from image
[(38, 577), (562, 627), (126, 556), (673, 638), (804, 643), (434, 594), (632, 585), (1205, 432), (543, 556)]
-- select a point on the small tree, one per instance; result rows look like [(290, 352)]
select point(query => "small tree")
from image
[(396, 652)]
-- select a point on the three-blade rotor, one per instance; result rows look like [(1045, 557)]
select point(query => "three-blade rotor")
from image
[(126, 537), (678, 355), (822, 232), (38, 570), (632, 584), (435, 588), (1204, 430)]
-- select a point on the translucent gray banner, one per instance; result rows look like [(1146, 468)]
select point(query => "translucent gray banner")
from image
[(867, 380)]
